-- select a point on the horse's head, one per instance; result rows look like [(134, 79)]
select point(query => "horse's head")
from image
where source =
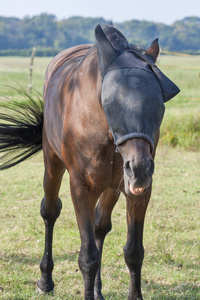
[(133, 94)]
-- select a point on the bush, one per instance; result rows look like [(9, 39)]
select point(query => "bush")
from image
[(182, 131)]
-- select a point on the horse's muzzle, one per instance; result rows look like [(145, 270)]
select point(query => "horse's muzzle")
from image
[(138, 166), (137, 175)]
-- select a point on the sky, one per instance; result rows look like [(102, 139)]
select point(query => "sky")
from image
[(161, 11)]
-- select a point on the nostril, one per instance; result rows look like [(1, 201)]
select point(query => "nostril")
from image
[(127, 167), (151, 167)]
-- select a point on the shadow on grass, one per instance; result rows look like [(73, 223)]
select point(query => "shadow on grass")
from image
[(183, 291), (163, 292), (32, 260), (153, 291), (157, 292)]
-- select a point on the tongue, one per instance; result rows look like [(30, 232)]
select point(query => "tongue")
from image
[(136, 191)]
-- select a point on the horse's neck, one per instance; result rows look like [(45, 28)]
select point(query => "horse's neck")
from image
[(89, 77), (71, 57)]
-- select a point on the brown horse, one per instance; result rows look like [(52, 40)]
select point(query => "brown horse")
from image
[(103, 106)]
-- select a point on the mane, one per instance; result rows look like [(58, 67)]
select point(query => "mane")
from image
[(118, 40)]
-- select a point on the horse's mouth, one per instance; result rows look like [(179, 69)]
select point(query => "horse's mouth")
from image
[(136, 191)]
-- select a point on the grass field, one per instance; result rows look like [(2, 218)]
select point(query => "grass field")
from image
[(171, 268)]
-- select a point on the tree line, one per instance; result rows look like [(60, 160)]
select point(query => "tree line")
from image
[(49, 35)]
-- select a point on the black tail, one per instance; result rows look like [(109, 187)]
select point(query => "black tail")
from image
[(20, 130)]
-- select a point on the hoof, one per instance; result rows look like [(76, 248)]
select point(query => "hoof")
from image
[(41, 292)]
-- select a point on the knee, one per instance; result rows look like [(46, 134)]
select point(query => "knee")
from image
[(51, 211), (133, 255), (89, 261), (102, 223), (101, 229)]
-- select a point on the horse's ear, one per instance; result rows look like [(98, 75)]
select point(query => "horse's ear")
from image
[(153, 50), (106, 52)]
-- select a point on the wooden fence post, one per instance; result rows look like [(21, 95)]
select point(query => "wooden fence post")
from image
[(31, 71)]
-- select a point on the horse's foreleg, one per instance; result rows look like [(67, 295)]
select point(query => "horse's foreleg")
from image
[(84, 204), (134, 250), (50, 210), (103, 225)]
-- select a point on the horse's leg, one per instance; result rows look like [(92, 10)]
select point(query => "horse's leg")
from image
[(134, 250), (84, 200), (50, 210), (103, 225)]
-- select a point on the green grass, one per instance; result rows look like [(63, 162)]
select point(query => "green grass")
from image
[(14, 72), (171, 268), (185, 72), (181, 125)]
